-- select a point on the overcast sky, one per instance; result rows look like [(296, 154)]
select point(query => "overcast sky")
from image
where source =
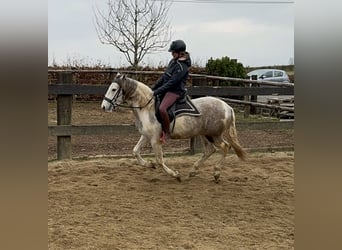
[(257, 34)]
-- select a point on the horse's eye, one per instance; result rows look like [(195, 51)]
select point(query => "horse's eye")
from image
[(113, 89)]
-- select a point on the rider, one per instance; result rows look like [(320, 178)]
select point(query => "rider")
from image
[(171, 85)]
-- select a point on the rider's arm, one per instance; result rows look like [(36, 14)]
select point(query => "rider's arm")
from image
[(176, 78)]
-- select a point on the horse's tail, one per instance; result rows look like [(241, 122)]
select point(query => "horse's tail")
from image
[(231, 136)]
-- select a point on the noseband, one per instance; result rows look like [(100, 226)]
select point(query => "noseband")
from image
[(113, 100)]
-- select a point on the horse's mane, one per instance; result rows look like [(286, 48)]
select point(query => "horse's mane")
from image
[(134, 89)]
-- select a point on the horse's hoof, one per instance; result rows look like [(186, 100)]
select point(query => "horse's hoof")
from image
[(217, 177), (151, 165), (193, 173), (178, 177)]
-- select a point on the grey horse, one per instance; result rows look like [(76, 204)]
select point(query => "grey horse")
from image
[(215, 125)]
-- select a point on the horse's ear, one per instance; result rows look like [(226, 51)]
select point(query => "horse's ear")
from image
[(121, 76)]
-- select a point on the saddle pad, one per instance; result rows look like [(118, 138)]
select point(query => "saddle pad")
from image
[(186, 108)]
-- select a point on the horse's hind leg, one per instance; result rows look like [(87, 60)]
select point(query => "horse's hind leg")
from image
[(225, 147), (136, 152), (160, 160), (209, 149)]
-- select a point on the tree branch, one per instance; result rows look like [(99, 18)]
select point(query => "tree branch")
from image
[(135, 28)]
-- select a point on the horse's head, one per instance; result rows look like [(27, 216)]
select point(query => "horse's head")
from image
[(125, 89), (113, 96)]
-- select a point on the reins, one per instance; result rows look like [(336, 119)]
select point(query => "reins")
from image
[(132, 107), (111, 101)]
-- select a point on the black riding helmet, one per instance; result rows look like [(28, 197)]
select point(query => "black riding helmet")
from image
[(177, 46)]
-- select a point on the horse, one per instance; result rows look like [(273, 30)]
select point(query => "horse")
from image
[(215, 124)]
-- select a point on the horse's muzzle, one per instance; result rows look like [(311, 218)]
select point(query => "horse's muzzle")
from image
[(109, 109)]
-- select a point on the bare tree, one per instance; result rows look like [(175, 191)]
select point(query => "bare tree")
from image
[(135, 28)]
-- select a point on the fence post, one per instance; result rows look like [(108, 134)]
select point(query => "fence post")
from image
[(64, 103), (196, 145), (247, 106), (254, 98)]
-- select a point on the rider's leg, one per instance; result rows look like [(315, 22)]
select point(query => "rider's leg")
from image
[(169, 99)]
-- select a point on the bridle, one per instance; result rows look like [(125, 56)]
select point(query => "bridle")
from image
[(113, 100), (117, 95)]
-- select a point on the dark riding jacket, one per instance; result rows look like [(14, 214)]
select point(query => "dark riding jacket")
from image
[(174, 77)]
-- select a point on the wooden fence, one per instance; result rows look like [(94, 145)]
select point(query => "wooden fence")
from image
[(65, 89)]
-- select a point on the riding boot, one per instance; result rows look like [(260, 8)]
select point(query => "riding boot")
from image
[(166, 124), (162, 137), (166, 128)]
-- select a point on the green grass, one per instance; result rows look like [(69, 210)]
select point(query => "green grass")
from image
[(253, 118)]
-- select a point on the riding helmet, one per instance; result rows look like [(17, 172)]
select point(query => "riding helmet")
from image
[(177, 46)]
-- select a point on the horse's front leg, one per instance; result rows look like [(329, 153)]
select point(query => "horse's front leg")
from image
[(158, 151), (136, 152)]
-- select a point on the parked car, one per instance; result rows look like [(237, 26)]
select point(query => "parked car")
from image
[(273, 75)]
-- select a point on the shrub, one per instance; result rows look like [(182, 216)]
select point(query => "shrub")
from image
[(225, 67)]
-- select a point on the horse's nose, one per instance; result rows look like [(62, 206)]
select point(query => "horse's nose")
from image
[(103, 107)]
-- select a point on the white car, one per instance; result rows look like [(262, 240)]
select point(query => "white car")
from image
[(272, 75)]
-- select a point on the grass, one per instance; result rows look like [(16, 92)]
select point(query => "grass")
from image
[(239, 115)]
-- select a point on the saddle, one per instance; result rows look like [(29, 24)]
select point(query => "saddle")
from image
[(183, 106)]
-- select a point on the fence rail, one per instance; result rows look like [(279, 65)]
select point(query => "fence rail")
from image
[(120, 129), (65, 90), (224, 78), (91, 89)]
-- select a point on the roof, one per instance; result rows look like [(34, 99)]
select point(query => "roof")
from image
[(259, 72)]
